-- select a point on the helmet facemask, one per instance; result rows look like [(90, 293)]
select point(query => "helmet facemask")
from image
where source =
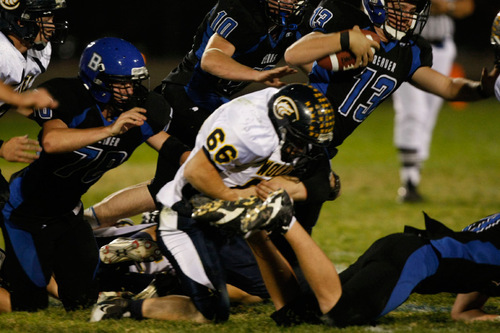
[(285, 13), (125, 92), (50, 31), (28, 19), (399, 19)]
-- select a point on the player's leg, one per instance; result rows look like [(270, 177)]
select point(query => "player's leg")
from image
[(194, 255), (242, 271), (75, 262), (382, 279), (410, 117), (442, 61), (24, 293), (127, 202), (140, 198)]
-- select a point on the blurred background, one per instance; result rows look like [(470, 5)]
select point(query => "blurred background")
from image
[(163, 31)]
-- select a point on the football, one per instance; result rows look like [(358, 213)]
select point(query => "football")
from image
[(344, 60)]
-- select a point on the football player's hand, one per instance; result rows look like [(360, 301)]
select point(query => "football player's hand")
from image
[(292, 185), (37, 99), (488, 80), (272, 77), (127, 120), (246, 192), (20, 149), (361, 47)]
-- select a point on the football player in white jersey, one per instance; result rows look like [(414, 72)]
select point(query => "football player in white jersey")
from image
[(416, 110), (26, 29), (250, 139)]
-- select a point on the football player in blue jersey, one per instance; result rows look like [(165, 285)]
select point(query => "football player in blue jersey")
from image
[(403, 55), (238, 42), (428, 261), (380, 68), (103, 115)]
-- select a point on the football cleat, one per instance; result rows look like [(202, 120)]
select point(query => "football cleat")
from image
[(129, 249), (409, 194), (274, 214), (225, 214), (110, 307)]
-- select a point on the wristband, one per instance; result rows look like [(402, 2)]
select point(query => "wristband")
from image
[(344, 40)]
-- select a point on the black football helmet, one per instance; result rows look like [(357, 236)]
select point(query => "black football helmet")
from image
[(394, 20), (286, 12), (303, 117), (24, 19), (495, 38)]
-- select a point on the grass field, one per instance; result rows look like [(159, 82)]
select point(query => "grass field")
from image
[(460, 182)]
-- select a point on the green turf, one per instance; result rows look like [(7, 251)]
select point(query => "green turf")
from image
[(460, 183)]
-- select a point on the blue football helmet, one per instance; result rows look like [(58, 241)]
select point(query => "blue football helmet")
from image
[(303, 117), (286, 13), (24, 19), (108, 61), (394, 20)]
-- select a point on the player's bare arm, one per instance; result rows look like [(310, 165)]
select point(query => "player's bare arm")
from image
[(157, 140), (217, 60), (455, 89), (469, 307), (26, 100), (457, 9), (316, 45), (58, 138), (204, 177), (20, 149)]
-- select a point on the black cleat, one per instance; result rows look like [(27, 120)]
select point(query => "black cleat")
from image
[(409, 194)]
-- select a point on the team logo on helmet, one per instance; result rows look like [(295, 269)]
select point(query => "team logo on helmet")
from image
[(284, 106), (10, 4), (495, 31)]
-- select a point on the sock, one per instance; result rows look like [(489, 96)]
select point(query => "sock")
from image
[(136, 309), (410, 166)]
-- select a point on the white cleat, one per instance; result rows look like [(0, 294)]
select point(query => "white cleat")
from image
[(129, 249)]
